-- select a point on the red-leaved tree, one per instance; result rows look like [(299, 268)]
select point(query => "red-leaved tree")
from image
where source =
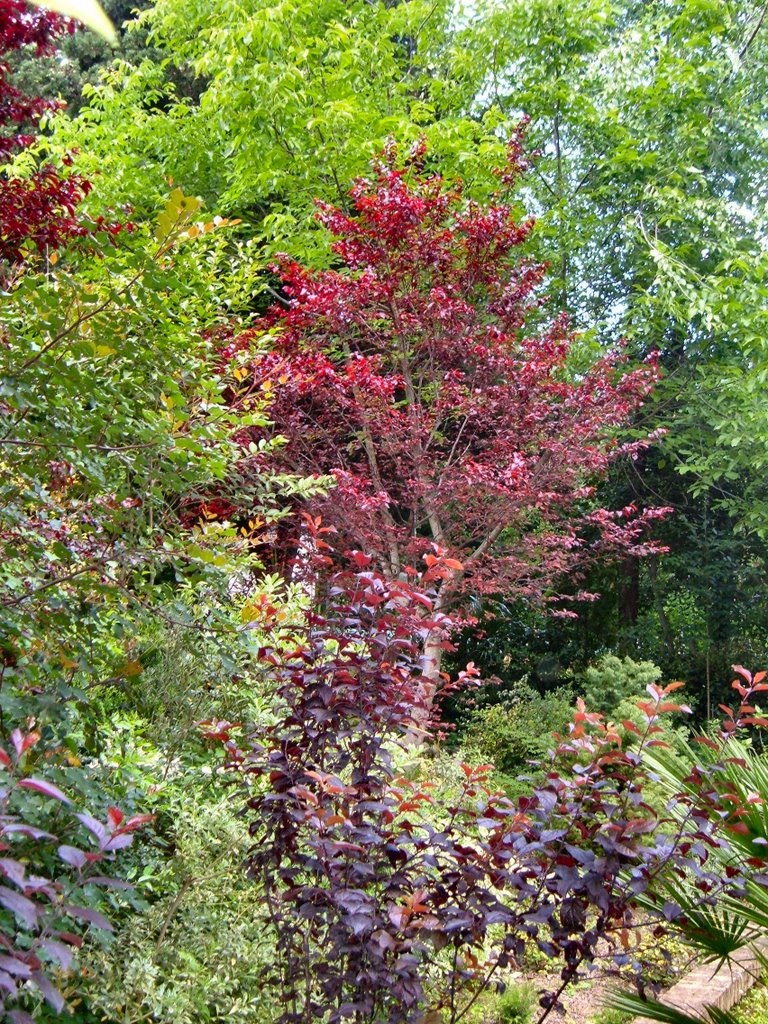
[(38, 213), (22, 25), (415, 375)]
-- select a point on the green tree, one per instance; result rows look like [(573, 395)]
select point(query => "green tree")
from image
[(650, 188), (296, 99)]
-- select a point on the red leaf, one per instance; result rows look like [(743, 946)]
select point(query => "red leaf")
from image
[(114, 816), (136, 821), (452, 563), (740, 828), (673, 686), (707, 742), (22, 743)]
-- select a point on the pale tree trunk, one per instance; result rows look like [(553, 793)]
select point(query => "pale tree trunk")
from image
[(430, 663), (431, 658)]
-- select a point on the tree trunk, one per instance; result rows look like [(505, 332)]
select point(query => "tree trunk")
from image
[(629, 592), (667, 636), (430, 664)]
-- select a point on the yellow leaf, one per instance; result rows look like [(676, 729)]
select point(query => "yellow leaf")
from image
[(249, 613), (131, 668), (179, 209)]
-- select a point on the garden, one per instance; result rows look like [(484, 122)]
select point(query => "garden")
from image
[(383, 516)]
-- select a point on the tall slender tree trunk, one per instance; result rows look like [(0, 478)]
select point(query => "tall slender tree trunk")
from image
[(430, 665)]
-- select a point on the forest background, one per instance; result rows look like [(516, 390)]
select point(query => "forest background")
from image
[(151, 510)]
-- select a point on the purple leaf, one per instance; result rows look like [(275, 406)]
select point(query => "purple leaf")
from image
[(46, 788), (59, 951), (671, 910), (20, 1017), (19, 905), (8, 983), (52, 996), (118, 842), (13, 869), (71, 855), (18, 741), (111, 883), (37, 883), (28, 830), (94, 826), (87, 914), (15, 966)]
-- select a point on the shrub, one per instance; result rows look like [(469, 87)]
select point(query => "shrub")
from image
[(753, 1008), (47, 892), (199, 951), (385, 904), (516, 730), (612, 680)]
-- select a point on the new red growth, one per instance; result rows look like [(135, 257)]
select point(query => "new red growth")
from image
[(418, 374)]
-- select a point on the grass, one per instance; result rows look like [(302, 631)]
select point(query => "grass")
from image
[(753, 1008), (608, 1015), (516, 1004)]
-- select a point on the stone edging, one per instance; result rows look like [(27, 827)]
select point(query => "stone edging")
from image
[(710, 985)]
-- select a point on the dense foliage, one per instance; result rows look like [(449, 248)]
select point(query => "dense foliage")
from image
[(341, 470), (387, 903), (473, 435)]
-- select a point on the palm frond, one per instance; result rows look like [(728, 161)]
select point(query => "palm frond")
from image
[(652, 1009)]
